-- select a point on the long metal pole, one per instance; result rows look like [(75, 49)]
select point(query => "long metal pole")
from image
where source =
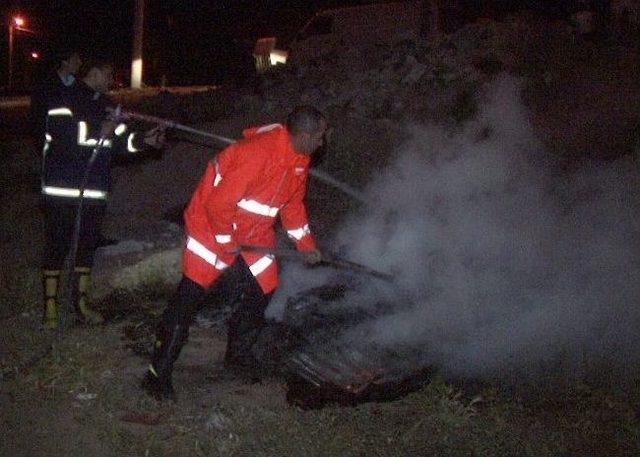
[(136, 54), (331, 261), (319, 174)]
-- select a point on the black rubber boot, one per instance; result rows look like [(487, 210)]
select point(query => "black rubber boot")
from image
[(245, 326), (171, 336), (169, 343)]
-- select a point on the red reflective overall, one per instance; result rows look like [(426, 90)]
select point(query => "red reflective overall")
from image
[(237, 201)]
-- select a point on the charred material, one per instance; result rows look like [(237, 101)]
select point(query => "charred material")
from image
[(326, 366), (306, 395), (320, 348)]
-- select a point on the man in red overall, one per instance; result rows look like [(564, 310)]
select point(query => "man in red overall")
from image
[(236, 204)]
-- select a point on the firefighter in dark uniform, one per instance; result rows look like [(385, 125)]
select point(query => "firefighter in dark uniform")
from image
[(74, 129), (55, 87)]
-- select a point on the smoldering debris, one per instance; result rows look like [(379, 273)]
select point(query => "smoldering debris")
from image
[(321, 373), (514, 265), (321, 367)]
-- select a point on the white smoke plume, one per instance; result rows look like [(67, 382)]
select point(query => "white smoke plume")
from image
[(504, 260)]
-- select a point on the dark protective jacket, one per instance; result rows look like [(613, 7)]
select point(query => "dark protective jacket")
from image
[(72, 134), (50, 92)]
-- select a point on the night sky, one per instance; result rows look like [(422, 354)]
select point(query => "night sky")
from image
[(189, 41)]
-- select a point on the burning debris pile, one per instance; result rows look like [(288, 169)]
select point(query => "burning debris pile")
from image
[(324, 366), (322, 346)]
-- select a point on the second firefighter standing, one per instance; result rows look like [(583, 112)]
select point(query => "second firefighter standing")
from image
[(76, 125)]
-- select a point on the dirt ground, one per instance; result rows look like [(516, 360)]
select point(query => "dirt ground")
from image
[(81, 398)]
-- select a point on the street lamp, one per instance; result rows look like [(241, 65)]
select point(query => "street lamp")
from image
[(17, 24)]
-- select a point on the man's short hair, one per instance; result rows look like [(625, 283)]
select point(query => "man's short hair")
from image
[(305, 119)]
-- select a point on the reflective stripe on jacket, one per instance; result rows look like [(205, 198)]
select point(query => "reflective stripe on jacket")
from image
[(72, 134), (243, 191)]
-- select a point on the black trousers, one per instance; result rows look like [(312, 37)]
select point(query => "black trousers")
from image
[(59, 226), (237, 286)]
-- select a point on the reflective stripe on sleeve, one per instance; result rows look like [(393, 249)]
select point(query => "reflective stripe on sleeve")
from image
[(70, 192), (258, 208), (130, 146), (47, 143), (298, 234), (201, 251), (120, 129), (261, 265), (60, 112), (84, 141), (223, 239)]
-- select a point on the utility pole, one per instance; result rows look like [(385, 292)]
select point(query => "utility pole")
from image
[(17, 24), (434, 18), (10, 82), (136, 54)]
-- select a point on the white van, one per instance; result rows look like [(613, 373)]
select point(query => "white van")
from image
[(348, 27)]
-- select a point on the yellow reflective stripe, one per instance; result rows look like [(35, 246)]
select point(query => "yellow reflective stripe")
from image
[(60, 112), (82, 137), (223, 239), (261, 265), (93, 142), (300, 233), (258, 208), (82, 134), (70, 192), (47, 143), (130, 146), (120, 129), (201, 251)]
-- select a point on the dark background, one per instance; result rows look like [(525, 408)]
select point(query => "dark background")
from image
[(190, 41)]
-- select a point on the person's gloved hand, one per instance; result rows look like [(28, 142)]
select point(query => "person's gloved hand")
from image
[(107, 127), (155, 137), (312, 257)]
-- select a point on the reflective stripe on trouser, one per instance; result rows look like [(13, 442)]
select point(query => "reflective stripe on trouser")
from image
[(200, 264), (263, 267), (198, 269)]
